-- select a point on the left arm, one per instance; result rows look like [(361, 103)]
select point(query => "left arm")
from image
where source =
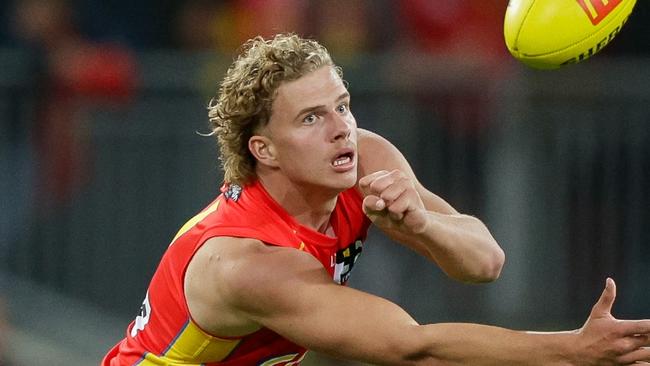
[(401, 207)]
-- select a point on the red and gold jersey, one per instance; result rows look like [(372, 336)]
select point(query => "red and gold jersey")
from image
[(165, 334)]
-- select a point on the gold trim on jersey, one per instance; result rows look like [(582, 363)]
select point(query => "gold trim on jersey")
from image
[(192, 346), (194, 220)]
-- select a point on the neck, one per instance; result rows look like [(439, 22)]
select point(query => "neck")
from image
[(311, 206)]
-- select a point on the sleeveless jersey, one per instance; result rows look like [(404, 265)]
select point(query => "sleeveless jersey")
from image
[(165, 334)]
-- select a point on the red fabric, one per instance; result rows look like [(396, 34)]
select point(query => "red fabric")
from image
[(254, 214)]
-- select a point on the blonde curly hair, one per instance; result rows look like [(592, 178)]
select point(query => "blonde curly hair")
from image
[(246, 94)]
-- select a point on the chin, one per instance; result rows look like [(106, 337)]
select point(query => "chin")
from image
[(347, 182), (333, 183)]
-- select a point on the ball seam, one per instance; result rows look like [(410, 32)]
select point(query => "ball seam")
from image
[(523, 22)]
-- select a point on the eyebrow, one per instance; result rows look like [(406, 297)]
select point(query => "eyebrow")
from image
[(317, 107)]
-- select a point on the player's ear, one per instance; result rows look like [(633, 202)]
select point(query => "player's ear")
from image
[(263, 150)]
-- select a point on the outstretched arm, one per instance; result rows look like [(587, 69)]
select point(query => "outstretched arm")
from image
[(246, 283), (603, 340), (400, 206)]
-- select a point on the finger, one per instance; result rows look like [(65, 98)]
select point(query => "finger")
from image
[(640, 340), (392, 192), (365, 182), (636, 327), (603, 306), (382, 183), (372, 204), (399, 207), (639, 355)]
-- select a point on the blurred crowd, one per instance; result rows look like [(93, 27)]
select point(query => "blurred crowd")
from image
[(353, 26), (88, 49), (346, 27)]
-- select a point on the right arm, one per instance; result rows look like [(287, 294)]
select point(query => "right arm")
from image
[(289, 292)]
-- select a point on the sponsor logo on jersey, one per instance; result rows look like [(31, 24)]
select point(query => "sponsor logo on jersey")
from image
[(344, 260)]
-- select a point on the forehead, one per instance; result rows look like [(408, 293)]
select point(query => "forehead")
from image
[(318, 87)]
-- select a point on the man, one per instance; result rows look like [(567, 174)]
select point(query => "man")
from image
[(257, 277)]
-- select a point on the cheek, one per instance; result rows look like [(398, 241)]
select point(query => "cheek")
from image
[(296, 148), (306, 158), (298, 151)]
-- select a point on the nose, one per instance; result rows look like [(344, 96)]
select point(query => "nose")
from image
[(342, 127)]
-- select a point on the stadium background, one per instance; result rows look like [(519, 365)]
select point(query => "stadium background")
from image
[(100, 162)]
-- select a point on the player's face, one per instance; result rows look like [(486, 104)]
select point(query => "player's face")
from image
[(313, 132)]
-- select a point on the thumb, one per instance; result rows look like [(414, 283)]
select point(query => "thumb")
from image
[(372, 204), (604, 305)]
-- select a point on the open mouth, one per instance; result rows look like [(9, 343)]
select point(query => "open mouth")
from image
[(343, 159)]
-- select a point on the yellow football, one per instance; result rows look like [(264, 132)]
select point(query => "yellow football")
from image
[(547, 34)]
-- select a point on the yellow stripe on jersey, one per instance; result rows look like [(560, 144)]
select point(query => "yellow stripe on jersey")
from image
[(192, 347), (194, 220)]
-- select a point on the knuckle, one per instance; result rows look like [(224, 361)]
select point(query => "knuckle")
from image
[(375, 186), (623, 346), (392, 175), (387, 196), (397, 173), (364, 183), (398, 207), (621, 328)]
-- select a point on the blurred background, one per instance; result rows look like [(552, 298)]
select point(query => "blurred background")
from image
[(101, 163)]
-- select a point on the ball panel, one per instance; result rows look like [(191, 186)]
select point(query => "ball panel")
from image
[(587, 47), (552, 26), (550, 33)]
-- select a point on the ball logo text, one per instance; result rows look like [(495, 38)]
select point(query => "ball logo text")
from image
[(597, 10)]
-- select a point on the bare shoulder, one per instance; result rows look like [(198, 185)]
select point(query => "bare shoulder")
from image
[(377, 153), (231, 278), (236, 286), (369, 140)]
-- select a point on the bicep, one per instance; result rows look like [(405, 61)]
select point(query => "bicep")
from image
[(376, 153), (289, 292)]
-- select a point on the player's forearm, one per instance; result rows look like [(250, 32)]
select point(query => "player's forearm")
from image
[(481, 345), (461, 245)]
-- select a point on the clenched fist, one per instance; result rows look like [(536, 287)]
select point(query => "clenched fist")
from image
[(392, 202)]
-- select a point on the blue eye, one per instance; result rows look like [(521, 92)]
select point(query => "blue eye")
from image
[(342, 108), (311, 118)]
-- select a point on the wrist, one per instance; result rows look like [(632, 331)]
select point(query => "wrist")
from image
[(567, 349), (556, 348), (421, 227)]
